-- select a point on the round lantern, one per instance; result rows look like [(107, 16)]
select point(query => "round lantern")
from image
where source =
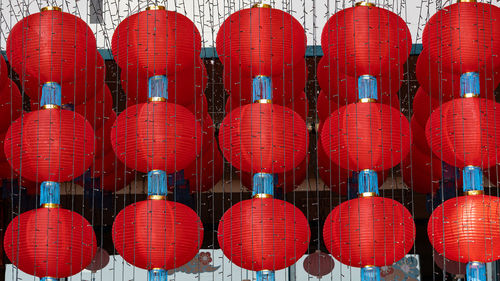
[(366, 231), (422, 170), (464, 37), (450, 266), (156, 136), (261, 41), (417, 132), (493, 173), (110, 174), (51, 242), (100, 260), (264, 138), (423, 106), (467, 228), (465, 132), (366, 40), (366, 136), (4, 75), (319, 264), (156, 41), (157, 234), (11, 104), (98, 109), (263, 234), (69, 53), (103, 136), (50, 145)]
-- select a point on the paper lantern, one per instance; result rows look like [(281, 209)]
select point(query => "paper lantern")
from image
[(372, 231), (103, 136), (157, 234), (51, 144), (466, 228), (263, 234), (11, 104), (319, 264), (100, 260), (51, 242), (422, 171), (264, 138), (156, 135), (465, 132), (423, 106), (366, 136), (98, 109)]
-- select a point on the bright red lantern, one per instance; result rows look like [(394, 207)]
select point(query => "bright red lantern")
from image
[(51, 242), (51, 144), (464, 37), (157, 234), (366, 40), (261, 41), (156, 135), (263, 234), (465, 132), (264, 138), (468, 227), (422, 170), (157, 42), (372, 231), (69, 54), (11, 104), (366, 136)]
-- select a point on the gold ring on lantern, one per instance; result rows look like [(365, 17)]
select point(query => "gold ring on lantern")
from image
[(162, 99), (155, 8), (367, 100), (157, 197), (466, 1), (367, 194), (50, 205), (51, 106), (262, 195), (474, 192), (369, 266), (50, 8), (471, 95), (365, 4), (264, 101), (261, 5)]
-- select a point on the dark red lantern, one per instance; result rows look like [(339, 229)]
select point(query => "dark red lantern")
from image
[(100, 260), (263, 234), (51, 144), (467, 228), (423, 106), (450, 266), (464, 37), (366, 40), (11, 104), (156, 42), (261, 41), (417, 132), (366, 231), (103, 136), (98, 109), (319, 264), (264, 138), (366, 136), (465, 132), (51, 242), (493, 173), (110, 174), (157, 234), (422, 171), (4, 75), (156, 135)]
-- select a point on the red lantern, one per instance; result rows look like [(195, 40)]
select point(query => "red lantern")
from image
[(450, 266), (366, 40), (97, 110), (372, 231), (157, 42), (465, 132), (156, 135), (186, 83), (110, 173), (4, 75), (319, 264), (11, 104), (417, 132), (68, 57), (464, 36), (157, 234), (468, 227), (493, 173), (264, 138), (103, 136), (423, 106), (366, 136), (261, 41), (51, 144), (422, 171), (100, 260), (263, 234), (51, 242)]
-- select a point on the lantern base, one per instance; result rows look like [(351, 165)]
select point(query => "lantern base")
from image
[(476, 271), (50, 193), (48, 279), (262, 88), (157, 274), (368, 182), (157, 88), (473, 178), (370, 273), (263, 183), (157, 183), (51, 95), (469, 85), (265, 275), (367, 87)]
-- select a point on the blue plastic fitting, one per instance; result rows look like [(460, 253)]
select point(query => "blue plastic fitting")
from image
[(265, 275), (473, 178), (367, 87), (368, 181), (51, 94), (50, 193), (476, 271), (370, 273), (157, 274), (158, 86), (262, 88), (157, 183), (469, 84), (48, 279), (263, 183)]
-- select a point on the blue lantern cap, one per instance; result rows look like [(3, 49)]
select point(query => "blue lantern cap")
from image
[(51, 94), (469, 84), (473, 178), (265, 275), (367, 87), (158, 86), (48, 279), (476, 271), (262, 88), (50, 193), (263, 183), (157, 183), (370, 273), (368, 181), (157, 274)]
